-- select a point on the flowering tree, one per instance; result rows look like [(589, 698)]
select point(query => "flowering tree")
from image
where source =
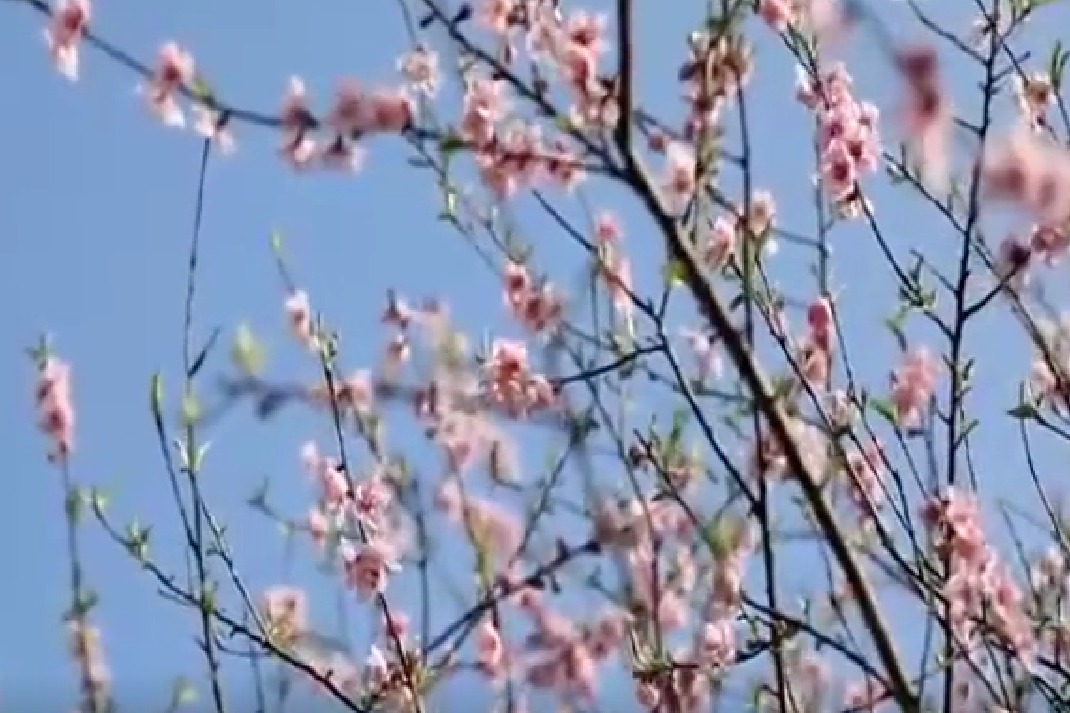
[(745, 503)]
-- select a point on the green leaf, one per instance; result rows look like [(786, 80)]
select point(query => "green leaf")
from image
[(674, 273), (200, 90), (185, 694), (191, 409), (157, 394), (679, 420), (451, 144), (1023, 411), (247, 353), (885, 409)]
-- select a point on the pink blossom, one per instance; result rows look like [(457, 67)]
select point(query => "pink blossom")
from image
[(490, 652), (1049, 242), (912, 386), (511, 384), (484, 106), (926, 111), (64, 34), (827, 19), (538, 308), (715, 645), (1026, 170), (174, 72), (396, 624), (778, 14), (614, 268), (349, 114), (709, 360), (298, 146), (397, 313), (820, 319), (285, 610), (299, 316), (1034, 94), (839, 171), (389, 111), (762, 213), (421, 71), (1014, 258), (54, 406), (368, 566), (327, 474), (864, 469), (371, 499), (865, 696), (494, 529), (720, 243), (563, 165), (318, 526), (356, 392), (848, 136), (449, 499), (342, 154), (497, 15), (680, 179), (398, 354), (208, 122), (87, 650)]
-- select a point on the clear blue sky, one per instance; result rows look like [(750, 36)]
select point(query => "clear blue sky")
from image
[(97, 204)]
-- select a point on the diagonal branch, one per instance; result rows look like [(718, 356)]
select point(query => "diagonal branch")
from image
[(713, 310)]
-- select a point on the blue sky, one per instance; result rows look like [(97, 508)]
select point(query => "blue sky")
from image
[(94, 231)]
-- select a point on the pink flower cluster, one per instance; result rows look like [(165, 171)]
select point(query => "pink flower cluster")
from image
[(175, 75), (717, 67), (87, 651), (663, 582), (926, 110), (1048, 387), (560, 655), (368, 565), (826, 18), (285, 613), (614, 268), (719, 241), (354, 114), (1034, 93), (493, 528), (571, 48), (865, 480), (714, 644), (980, 589), (680, 180), (770, 459), (708, 360), (848, 135), (564, 656), (54, 407), (815, 350), (364, 506), (1026, 170), (514, 155), (537, 307), (512, 385), (913, 383), (381, 675)]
